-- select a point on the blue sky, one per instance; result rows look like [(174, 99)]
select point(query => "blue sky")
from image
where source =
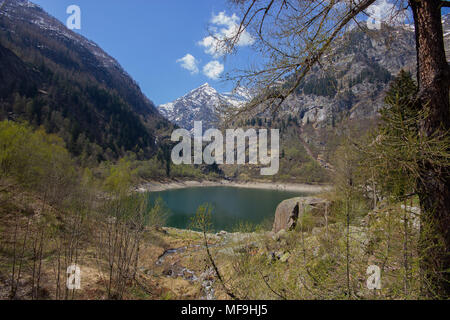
[(150, 38), (159, 42)]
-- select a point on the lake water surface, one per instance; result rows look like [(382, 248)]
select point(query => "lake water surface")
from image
[(231, 205)]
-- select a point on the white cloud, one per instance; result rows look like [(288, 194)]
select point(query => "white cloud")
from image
[(224, 26), (213, 69), (211, 46), (189, 63)]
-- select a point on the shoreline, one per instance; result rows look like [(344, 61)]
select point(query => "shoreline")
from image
[(155, 186)]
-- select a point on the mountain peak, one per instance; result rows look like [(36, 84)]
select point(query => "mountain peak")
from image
[(203, 88), (198, 105)]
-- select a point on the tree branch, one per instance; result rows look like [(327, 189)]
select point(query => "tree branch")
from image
[(445, 4), (3, 5), (270, 288), (216, 270), (315, 47)]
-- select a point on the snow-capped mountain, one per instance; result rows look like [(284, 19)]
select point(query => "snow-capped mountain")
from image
[(201, 105), (27, 12)]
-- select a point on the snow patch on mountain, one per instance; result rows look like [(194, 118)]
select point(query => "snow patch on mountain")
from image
[(28, 12), (201, 104)]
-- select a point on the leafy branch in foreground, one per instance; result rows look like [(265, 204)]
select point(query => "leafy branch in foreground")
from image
[(400, 154)]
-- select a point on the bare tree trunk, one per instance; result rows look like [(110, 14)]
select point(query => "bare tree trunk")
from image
[(22, 256), (405, 251), (13, 273), (388, 243), (374, 190), (58, 271), (434, 185), (326, 222), (35, 264), (347, 245), (40, 252)]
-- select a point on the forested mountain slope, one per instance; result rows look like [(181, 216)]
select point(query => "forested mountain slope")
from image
[(53, 77)]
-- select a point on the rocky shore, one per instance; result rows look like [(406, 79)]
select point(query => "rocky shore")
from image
[(162, 186)]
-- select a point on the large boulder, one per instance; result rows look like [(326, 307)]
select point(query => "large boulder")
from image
[(288, 211)]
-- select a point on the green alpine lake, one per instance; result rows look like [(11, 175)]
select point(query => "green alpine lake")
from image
[(231, 205)]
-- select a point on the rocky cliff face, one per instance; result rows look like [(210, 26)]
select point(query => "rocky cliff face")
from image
[(356, 73), (352, 81), (354, 76)]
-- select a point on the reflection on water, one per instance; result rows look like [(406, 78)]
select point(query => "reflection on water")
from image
[(230, 204)]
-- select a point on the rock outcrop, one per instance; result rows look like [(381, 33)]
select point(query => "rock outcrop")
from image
[(288, 212)]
